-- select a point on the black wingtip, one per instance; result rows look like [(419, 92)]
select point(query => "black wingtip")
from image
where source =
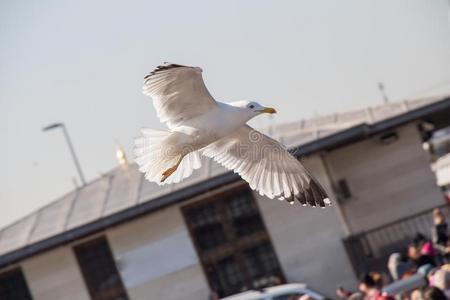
[(164, 67), (313, 196)]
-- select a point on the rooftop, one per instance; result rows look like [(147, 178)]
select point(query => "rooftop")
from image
[(123, 193)]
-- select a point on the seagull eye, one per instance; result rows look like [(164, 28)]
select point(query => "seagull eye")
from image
[(251, 106)]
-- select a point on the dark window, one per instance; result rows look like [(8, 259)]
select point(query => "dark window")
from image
[(261, 260), (13, 286), (245, 215), (99, 270), (229, 274), (232, 242), (207, 227)]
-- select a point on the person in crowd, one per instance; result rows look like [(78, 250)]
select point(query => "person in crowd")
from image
[(439, 235), (430, 275), (417, 294), (441, 280), (439, 231), (446, 267), (377, 278), (433, 293), (424, 245), (398, 265), (368, 286), (417, 257)]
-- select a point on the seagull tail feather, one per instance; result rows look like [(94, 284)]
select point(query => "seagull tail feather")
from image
[(156, 152)]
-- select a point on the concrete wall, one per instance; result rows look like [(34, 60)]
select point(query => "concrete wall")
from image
[(55, 275), (156, 258), (308, 240), (387, 182)]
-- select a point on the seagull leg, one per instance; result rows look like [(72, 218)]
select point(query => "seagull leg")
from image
[(171, 170)]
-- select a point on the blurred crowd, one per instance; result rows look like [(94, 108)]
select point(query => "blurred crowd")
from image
[(421, 272)]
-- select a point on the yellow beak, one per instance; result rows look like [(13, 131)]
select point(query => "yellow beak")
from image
[(268, 110)]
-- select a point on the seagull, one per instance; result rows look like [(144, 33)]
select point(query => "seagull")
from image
[(199, 126)]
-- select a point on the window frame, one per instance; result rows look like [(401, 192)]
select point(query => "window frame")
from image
[(235, 247)]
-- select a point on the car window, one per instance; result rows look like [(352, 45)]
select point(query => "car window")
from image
[(291, 296)]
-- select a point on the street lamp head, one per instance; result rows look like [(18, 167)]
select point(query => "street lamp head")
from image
[(69, 143), (52, 126)]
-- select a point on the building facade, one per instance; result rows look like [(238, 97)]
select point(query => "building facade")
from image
[(121, 237)]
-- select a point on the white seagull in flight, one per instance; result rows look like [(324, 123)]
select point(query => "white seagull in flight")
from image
[(199, 125)]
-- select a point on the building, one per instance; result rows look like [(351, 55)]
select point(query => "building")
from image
[(121, 237)]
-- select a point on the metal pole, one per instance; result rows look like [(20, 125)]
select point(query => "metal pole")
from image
[(74, 156)]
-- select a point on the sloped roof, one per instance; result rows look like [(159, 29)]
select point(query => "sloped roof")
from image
[(123, 193)]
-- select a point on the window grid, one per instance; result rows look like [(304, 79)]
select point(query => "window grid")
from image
[(239, 255)]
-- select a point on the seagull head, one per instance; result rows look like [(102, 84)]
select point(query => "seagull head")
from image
[(252, 109)]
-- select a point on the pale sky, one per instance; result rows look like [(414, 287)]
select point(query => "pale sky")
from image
[(83, 63)]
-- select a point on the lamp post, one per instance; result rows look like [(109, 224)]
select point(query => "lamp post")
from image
[(72, 151)]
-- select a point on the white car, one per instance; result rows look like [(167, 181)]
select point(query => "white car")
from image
[(407, 285), (280, 292)]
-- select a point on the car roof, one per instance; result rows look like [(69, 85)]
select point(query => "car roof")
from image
[(272, 291), (248, 295), (285, 287)]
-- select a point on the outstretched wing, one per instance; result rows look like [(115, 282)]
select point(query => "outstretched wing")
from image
[(267, 167), (178, 93)]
